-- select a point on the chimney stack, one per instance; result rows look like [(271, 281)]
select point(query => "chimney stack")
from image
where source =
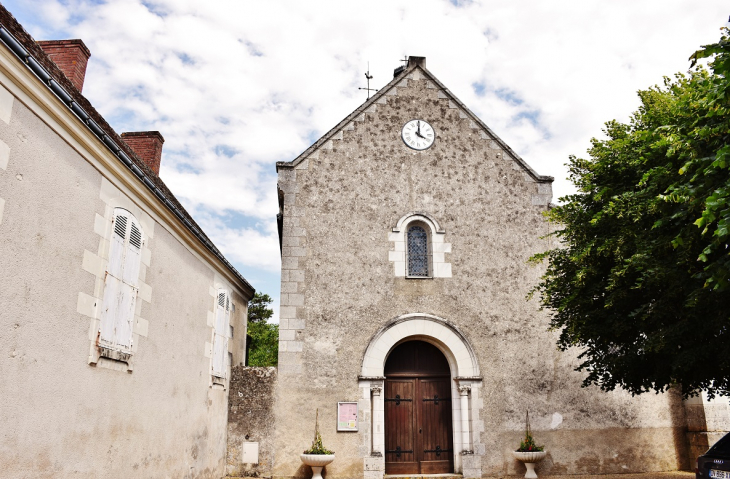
[(147, 145), (420, 61), (71, 56)]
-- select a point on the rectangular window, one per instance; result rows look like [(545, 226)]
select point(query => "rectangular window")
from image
[(121, 286), (220, 335)]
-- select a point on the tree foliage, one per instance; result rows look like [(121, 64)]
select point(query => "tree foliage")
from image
[(639, 281), (258, 308), (264, 349)]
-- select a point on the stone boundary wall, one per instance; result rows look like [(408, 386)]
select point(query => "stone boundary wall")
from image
[(251, 419)]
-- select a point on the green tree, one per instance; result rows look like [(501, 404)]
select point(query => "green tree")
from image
[(264, 349), (639, 279), (258, 308)]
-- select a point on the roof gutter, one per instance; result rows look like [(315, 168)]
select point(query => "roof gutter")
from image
[(9, 40)]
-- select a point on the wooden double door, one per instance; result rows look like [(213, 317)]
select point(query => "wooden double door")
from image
[(418, 433)]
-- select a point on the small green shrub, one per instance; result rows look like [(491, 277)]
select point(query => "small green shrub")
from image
[(528, 443), (317, 446)]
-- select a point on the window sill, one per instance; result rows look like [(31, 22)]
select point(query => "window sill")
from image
[(114, 365), (110, 358), (218, 383), (115, 354), (419, 277)]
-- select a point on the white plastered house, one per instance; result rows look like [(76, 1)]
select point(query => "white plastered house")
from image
[(120, 319)]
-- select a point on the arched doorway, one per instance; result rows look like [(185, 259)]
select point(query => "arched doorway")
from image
[(418, 423)]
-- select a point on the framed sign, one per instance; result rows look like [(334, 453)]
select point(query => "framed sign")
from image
[(347, 416)]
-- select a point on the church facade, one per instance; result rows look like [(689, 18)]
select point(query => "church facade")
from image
[(405, 235)]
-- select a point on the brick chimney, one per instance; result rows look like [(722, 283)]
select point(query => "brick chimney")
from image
[(147, 145), (71, 56)]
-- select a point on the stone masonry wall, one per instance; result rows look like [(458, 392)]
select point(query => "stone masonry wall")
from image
[(250, 419)]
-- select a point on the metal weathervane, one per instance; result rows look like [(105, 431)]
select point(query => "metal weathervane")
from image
[(369, 77)]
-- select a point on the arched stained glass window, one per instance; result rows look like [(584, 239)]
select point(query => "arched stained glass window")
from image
[(417, 251)]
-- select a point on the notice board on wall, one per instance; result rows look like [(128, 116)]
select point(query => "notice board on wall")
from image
[(347, 416)]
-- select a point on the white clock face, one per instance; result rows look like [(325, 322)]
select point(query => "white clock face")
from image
[(418, 134)]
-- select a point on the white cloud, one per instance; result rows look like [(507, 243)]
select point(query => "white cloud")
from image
[(254, 247), (236, 85)]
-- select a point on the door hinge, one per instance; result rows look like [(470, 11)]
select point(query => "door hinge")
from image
[(397, 399), (438, 450), (398, 451), (436, 399)]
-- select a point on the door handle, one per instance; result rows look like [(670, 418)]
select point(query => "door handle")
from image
[(419, 430)]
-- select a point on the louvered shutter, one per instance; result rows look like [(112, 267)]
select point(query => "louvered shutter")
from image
[(220, 336), (121, 284), (130, 286), (116, 248)]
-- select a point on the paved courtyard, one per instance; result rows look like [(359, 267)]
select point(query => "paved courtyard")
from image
[(647, 475)]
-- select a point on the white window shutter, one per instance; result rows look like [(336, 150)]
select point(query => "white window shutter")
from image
[(220, 335), (220, 312), (133, 256), (125, 316), (116, 244), (130, 285), (226, 332), (112, 281), (110, 306), (121, 282)]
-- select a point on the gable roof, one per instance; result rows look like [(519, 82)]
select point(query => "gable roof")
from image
[(416, 67), (18, 41)]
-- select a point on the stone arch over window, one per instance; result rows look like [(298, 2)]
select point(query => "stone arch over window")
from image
[(465, 387), (419, 247)]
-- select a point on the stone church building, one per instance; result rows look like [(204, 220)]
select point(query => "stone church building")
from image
[(405, 235)]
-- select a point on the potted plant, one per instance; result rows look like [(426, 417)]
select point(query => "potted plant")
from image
[(317, 456), (529, 453)]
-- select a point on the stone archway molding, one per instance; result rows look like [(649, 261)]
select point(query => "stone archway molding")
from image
[(427, 327), (416, 216)]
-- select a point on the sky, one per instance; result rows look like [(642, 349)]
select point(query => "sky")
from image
[(235, 85)]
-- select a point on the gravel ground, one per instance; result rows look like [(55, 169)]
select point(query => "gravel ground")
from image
[(645, 475)]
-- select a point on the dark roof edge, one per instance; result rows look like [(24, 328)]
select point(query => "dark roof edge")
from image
[(383, 91), (18, 41)]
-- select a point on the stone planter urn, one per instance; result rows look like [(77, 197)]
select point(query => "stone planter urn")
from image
[(530, 459), (317, 462)]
